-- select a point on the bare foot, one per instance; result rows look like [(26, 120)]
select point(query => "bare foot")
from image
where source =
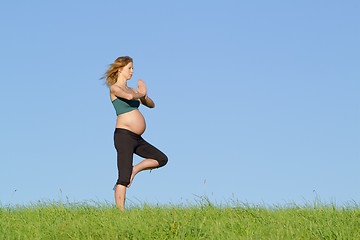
[(132, 177)]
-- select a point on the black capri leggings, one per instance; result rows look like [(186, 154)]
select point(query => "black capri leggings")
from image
[(127, 143)]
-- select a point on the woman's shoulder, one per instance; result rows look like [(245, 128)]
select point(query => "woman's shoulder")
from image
[(113, 88), (112, 95)]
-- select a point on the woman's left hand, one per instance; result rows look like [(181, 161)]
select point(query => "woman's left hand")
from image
[(142, 87)]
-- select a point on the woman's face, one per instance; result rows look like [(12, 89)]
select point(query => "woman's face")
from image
[(127, 71)]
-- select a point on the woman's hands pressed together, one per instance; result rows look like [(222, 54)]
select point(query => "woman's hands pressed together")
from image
[(142, 87), (143, 90)]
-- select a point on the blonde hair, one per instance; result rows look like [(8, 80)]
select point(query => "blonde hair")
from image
[(112, 74)]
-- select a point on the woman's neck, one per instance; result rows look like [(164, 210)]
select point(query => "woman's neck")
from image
[(121, 81)]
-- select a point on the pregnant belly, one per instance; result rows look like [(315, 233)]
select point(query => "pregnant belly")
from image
[(133, 121)]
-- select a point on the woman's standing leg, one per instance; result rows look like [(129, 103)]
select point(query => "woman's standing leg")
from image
[(120, 192), (125, 160), (125, 145)]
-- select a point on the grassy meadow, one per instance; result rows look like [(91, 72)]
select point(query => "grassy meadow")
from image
[(200, 220)]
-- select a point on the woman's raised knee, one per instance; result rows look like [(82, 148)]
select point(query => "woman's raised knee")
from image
[(163, 160)]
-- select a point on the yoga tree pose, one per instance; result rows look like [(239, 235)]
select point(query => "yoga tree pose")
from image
[(130, 124)]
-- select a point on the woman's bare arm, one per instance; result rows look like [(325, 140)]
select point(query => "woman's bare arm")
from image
[(124, 93), (147, 102)]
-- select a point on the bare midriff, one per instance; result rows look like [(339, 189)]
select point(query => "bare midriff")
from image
[(133, 121)]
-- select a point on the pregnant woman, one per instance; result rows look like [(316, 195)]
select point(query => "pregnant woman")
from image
[(130, 124)]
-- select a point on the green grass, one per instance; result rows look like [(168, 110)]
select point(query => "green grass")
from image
[(202, 220)]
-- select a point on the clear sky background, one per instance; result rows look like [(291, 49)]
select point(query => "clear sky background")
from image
[(256, 101)]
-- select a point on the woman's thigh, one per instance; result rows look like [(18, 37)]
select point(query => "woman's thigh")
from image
[(146, 150), (125, 146)]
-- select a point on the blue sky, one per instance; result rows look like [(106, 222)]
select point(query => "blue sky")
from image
[(255, 100)]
